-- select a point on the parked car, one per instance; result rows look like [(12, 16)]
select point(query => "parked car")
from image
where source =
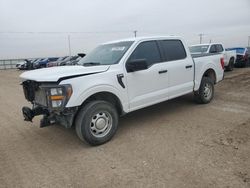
[(248, 51), (117, 78), (74, 61), (43, 63), (57, 62), (21, 65), (27, 64), (229, 55), (242, 59), (63, 62), (70, 61)]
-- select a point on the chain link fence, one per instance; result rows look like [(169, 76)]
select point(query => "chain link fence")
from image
[(9, 63)]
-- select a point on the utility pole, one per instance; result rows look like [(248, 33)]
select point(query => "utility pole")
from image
[(69, 46), (201, 35), (135, 32)]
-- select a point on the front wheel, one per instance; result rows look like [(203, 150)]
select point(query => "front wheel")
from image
[(97, 122), (206, 91)]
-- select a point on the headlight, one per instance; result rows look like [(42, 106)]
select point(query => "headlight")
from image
[(59, 96)]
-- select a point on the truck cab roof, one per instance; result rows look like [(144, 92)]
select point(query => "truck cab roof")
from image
[(138, 39)]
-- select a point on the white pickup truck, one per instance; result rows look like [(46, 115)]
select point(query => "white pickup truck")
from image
[(213, 48), (117, 78)]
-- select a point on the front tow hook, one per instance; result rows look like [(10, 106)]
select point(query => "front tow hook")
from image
[(29, 114)]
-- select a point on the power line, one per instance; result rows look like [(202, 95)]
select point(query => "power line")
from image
[(69, 46), (135, 32)]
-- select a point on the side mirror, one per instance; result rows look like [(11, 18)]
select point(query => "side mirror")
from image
[(136, 65), (81, 54)]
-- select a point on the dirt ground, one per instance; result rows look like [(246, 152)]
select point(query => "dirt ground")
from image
[(174, 144)]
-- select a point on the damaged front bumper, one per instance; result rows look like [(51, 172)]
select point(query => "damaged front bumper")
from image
[(64, 118), (49, 100)]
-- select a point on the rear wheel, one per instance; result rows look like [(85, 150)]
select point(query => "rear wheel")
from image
[(97, 122), (206, 91), (230, 66)]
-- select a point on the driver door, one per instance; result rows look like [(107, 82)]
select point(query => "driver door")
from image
[(149, 86)]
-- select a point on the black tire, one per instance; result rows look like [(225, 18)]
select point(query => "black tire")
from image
[(206, 91), (91, 119), (230, 66)]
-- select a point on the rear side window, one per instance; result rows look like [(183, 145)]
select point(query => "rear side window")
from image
[(213, 49), (219, 48), (148, 51), (173, 50)]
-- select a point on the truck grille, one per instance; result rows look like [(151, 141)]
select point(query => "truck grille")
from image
[(34, 93), (40, 97)]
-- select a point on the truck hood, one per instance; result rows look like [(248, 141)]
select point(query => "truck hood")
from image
[(56, 74)]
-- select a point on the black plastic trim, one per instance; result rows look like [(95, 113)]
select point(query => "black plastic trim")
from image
[(75, 76), (119, 78)]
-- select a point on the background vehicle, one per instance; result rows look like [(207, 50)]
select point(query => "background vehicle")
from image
[(43, 63), (74, 61), (57, 62), (212, 48), (242, 59), (117, 78), (27, 64), (70, 61), (248, 51), (21, 65)]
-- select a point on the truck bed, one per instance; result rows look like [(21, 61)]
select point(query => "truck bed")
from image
[(202, 62)]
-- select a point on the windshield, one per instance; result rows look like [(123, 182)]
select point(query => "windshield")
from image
[(199, 49), (106, 54)]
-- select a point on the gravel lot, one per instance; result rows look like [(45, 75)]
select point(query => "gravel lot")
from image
[(174, 144)]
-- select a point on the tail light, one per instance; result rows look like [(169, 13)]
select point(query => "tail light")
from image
[(222, 63), (245, 57)]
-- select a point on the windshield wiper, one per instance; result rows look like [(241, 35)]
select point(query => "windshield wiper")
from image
[(91, 64)]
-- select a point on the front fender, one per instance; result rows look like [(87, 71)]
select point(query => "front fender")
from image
[(79, 99)]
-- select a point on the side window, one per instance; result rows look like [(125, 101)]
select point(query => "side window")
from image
[(173, 50), (213, 49), (219, 48), (148, 51)]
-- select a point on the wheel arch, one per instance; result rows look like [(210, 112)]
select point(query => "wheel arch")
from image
[(106, 96), (210, 73)]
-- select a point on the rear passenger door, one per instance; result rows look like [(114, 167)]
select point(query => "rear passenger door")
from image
[(180, 68)]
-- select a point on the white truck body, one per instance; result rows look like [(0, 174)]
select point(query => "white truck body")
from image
[(160, 81), (212, 48)]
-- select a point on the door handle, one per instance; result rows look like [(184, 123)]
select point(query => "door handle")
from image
[(189, 66), (162, 71)]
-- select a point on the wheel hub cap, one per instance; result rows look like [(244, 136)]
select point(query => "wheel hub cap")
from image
[(100, 123), (207, 91)]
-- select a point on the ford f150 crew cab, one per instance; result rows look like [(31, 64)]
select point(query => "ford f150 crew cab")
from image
[(212, 48), (117, 78)]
